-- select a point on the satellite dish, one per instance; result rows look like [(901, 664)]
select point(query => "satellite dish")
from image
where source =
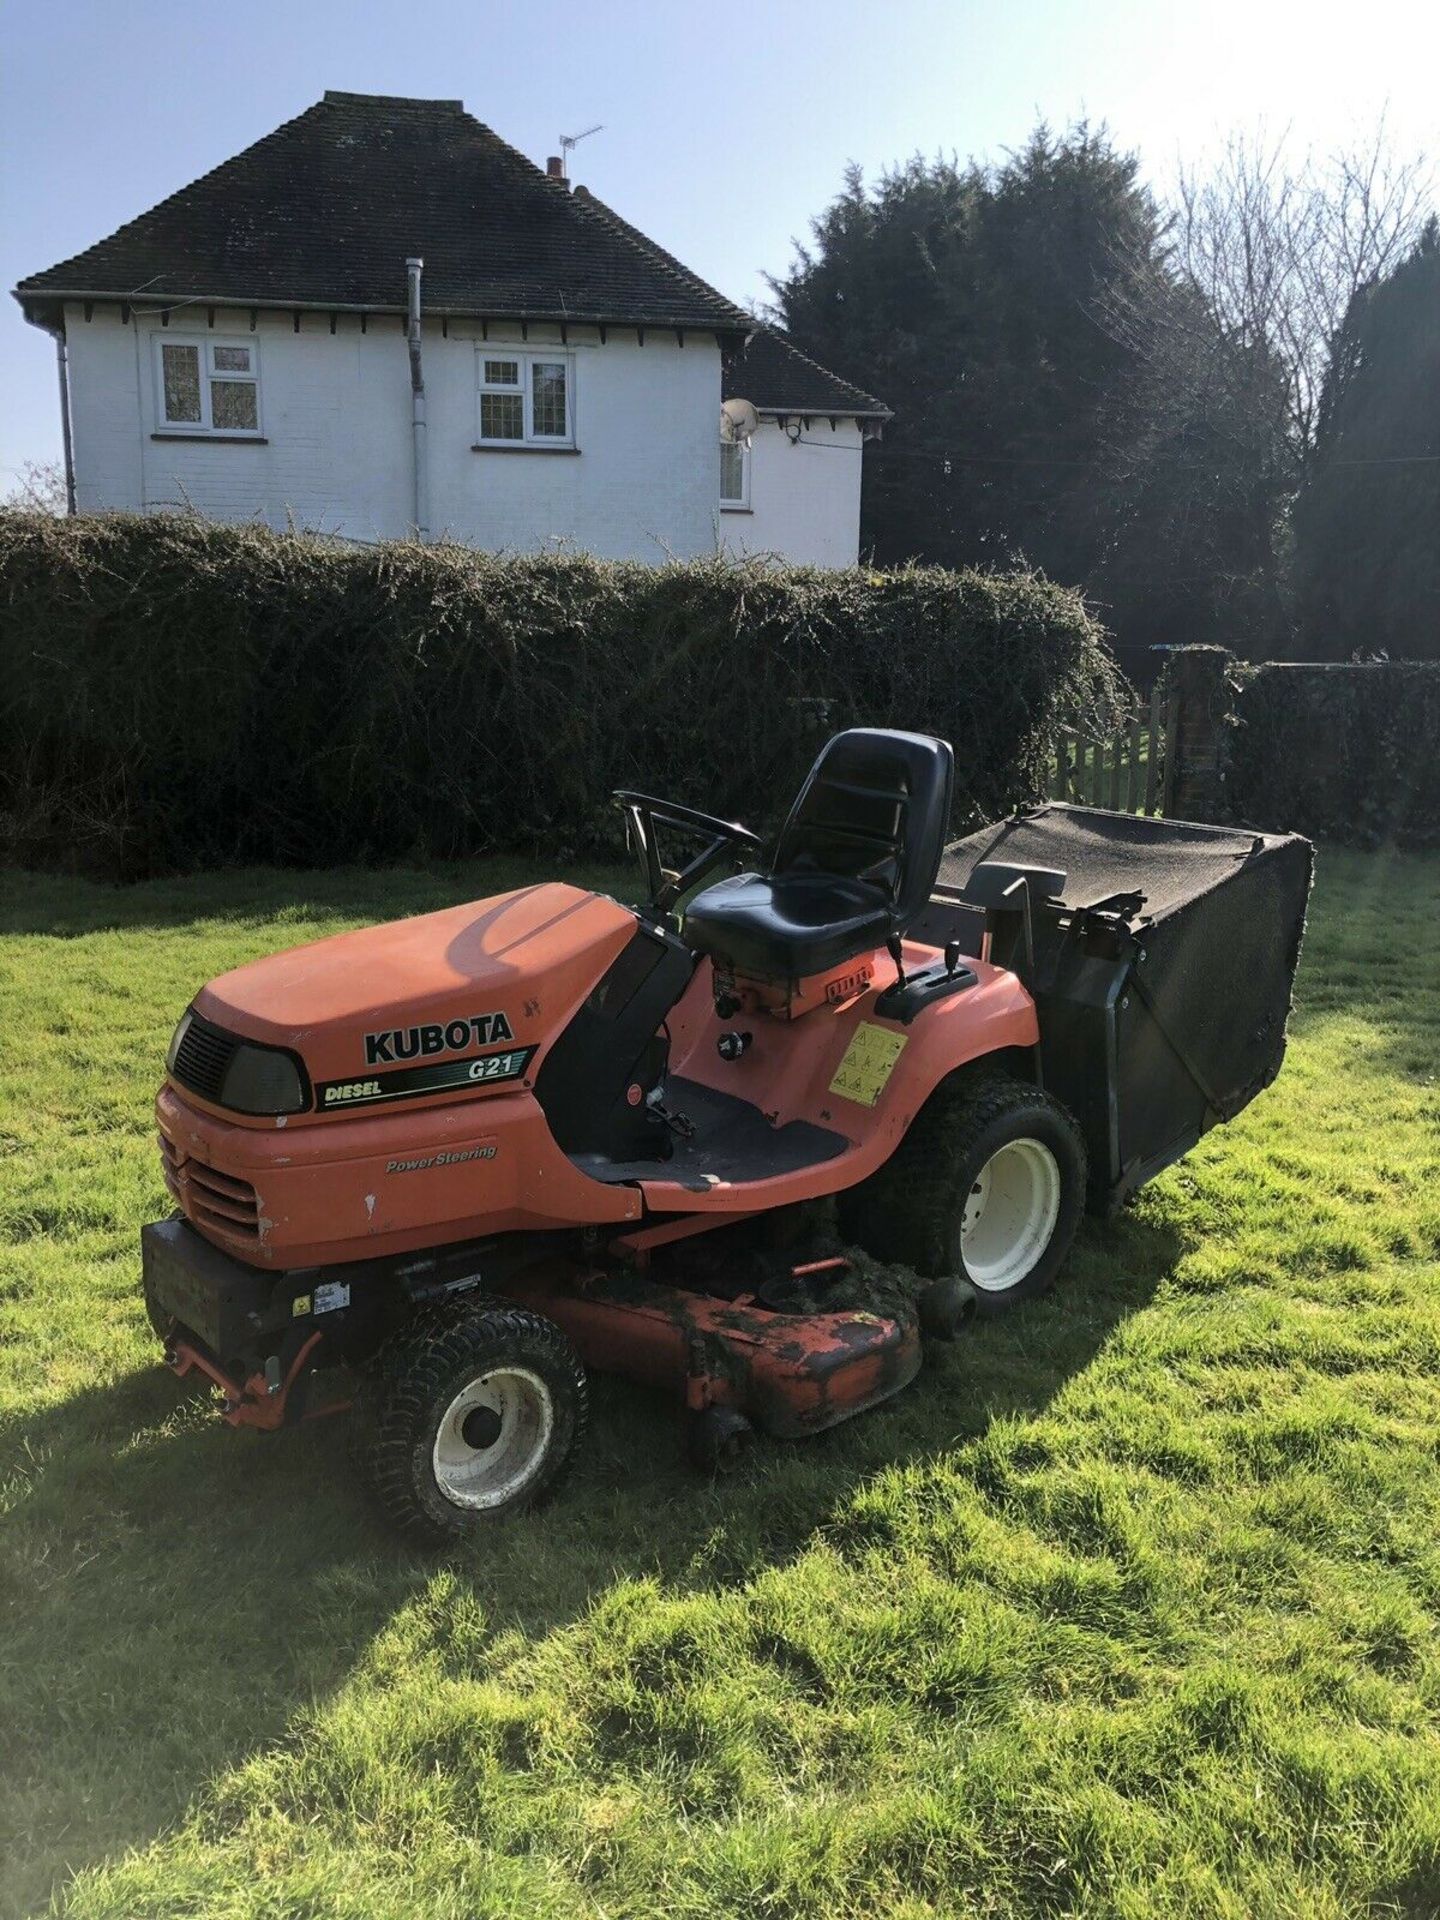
[(738, 420)]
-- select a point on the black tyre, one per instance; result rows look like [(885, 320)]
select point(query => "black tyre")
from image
[(719, 1439), (988, 1183), (468, 1416)]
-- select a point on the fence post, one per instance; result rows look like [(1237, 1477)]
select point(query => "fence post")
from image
[(1199, 714)]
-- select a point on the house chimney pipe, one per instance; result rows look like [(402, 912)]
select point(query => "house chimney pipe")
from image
[(555, 167), (417, 404)]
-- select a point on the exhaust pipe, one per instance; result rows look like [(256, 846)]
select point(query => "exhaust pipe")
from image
[(417, 404)]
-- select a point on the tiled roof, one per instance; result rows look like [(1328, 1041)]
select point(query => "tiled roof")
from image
[(325, 211), (775, 377)]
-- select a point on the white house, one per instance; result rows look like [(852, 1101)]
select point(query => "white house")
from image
[(794, 488), (381, 318)]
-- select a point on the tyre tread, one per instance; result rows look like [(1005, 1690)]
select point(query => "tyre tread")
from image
[(903, 1212), (418, 1364)]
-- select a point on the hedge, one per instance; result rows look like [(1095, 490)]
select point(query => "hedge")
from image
[(178, 694), (1339, 752)]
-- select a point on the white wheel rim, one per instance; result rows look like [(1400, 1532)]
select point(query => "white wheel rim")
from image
[(493, 1437), (1010, 1214)]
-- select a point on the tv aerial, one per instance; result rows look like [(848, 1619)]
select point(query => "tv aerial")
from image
[(569, 142)]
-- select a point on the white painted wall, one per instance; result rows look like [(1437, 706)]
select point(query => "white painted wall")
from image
[(804, 496), (335, 415)]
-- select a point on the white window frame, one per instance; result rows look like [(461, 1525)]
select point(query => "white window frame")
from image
[(204, 428), (741, 504), (526, 358)]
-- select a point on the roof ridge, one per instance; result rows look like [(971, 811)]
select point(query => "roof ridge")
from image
[(337, 97)]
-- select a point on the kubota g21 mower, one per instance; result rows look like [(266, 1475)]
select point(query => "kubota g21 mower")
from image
[(467, 1155)]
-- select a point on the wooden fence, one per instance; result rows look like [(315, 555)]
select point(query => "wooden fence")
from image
[(1126, 769)]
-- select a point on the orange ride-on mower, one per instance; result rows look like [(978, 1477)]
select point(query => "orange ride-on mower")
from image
[(462, 1158)]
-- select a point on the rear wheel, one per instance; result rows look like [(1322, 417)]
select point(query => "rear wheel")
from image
[(989, 1183), (467, 1417)]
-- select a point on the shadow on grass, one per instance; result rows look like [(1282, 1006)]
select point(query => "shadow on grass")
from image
[(63, 907), (179, 1590)]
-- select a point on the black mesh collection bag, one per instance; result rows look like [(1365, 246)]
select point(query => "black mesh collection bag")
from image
[(1162, 977)]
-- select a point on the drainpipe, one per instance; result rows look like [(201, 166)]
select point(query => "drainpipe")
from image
[(417, 405), (62, 361)]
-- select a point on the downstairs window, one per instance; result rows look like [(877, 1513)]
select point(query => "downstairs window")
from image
[(206, 386), (525, 399), (734, 475)]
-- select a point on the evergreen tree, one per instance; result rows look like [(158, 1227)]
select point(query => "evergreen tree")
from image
[(971, 299), (1059, 393), (1124, 399), (1367, 525)]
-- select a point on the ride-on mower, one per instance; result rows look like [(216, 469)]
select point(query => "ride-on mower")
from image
[(461, 1158)]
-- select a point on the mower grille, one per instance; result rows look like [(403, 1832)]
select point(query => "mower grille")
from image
[(211, 1199), (203, 1056)]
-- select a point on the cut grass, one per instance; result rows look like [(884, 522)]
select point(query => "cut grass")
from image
[(1128, 1607)]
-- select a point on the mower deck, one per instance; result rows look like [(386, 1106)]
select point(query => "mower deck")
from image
[(789, 1373)]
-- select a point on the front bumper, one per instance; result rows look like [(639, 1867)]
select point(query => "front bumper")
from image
[(230, 1306), (253, 1335)]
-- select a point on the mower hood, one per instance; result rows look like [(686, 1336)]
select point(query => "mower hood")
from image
[(393, 1011)]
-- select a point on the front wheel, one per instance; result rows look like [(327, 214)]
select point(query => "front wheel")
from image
[(989, 1183), (467, 1417)]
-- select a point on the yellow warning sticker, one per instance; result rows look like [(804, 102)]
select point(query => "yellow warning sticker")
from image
[(300, 1305), (869, 1062)]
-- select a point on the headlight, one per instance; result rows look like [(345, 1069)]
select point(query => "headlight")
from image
[(235, 1073), (262, 1080)]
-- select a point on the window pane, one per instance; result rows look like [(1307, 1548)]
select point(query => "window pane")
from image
[(732, 470), (182, 383), (502, 416), (231, 359), (547, 387), (232, 406), (502, 373)]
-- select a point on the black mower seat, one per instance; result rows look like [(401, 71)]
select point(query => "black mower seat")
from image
[(854, 864), (787, 925)]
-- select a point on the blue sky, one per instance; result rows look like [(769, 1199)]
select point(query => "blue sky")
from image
[(726, 127)]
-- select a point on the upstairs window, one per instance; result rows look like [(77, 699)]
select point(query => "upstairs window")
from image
[(525, 399), (734, 475), (207, 386)]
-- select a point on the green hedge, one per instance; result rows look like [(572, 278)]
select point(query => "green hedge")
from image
[(1339, 752), (179, 694)]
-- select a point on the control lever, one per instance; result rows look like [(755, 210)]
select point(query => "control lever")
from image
[(895, 947), (679, 1124), (952, 956)]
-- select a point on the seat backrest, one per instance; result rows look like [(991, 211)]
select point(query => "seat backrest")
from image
[(874, 807)]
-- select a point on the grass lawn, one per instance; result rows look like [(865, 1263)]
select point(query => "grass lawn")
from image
[(1128, 1607)]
